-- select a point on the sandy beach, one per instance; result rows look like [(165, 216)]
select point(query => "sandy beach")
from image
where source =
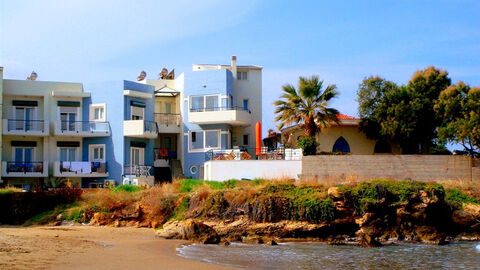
[(89, 247)]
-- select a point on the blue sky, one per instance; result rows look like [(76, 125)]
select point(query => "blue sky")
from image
[(341, 41)]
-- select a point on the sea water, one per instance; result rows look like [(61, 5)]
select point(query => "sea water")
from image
[(461, 255)]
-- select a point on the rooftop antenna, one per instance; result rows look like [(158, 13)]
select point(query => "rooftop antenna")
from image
[(142, 76), (33, 76)]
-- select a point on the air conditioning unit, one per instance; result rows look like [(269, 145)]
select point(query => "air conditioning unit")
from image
[(126, 181)]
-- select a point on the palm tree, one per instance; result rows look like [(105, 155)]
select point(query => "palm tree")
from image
[(307, 106)]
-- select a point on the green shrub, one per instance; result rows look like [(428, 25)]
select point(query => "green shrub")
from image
[(179, 212), (458, 197), (308, 144), (126, 188)]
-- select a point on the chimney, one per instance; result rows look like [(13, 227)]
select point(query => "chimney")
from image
[(234, 66)]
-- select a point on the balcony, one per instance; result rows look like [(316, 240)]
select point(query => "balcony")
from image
[(79, 169), (24, 169), (25, 127), (168, 122), (81, 128), (140, 129), (235, 116)]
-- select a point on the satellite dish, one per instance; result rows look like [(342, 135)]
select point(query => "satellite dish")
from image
[(142, 76), (33, 76)]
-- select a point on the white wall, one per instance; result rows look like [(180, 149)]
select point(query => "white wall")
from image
[(222, 170)]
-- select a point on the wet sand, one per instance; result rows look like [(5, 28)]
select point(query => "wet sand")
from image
[(88, 247)]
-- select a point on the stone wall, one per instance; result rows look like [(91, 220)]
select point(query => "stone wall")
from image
[(365, 167)]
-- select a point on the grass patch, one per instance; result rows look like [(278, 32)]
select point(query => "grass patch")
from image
[(7, 190), (458, 197), (179, 212), (127, 188)]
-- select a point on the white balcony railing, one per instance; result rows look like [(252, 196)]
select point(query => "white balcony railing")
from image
[(82, 128), (140, 129), (80, 169), (235, 116)]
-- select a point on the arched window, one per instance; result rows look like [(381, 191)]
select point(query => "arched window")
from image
[(382, 147), (341, 145)]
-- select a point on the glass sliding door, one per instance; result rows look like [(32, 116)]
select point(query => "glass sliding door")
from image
[(211, 103), (68, 117)]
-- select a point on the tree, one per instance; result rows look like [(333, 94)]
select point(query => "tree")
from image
[(306, 106), (404, 114), (459, 108)]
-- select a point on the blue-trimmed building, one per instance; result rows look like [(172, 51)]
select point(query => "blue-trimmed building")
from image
[(127, 131)]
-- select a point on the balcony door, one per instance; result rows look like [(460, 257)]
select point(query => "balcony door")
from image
[(68, 153), (23, 118), (137, 156), (68, 117), (23, 154)]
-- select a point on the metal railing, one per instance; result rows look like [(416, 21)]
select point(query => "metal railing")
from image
[(168, 119), (150, 126), (163, 153), (137, 170), (26, 125), (84, 126), (225, 108), (24, 167), (83, 167), (244, 153)]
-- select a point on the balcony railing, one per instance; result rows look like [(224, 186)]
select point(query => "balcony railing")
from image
[(244, 153), (24, 167), (26, 125), (150, 126), (80, 169), (215, 109), (168, 119), (84, 126), (137, 170)]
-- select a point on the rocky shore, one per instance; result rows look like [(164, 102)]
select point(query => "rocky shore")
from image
[(424, 217)]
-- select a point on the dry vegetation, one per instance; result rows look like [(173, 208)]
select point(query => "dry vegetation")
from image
[(304, 200)]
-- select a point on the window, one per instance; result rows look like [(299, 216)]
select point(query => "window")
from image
[(196, 103), (205, 139), (97, 152), (97, 112), (245, 104), (68, 116), (168, 107), (204, 103), (137, 112), (23, 154), (242, 75), (68, 153), (196, 140), (341, 145), (193, 169), (211, 139), (245, 139)]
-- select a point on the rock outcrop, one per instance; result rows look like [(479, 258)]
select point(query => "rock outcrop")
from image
[(192, 230)]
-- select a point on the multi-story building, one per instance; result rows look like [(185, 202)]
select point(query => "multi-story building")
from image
[(127, 131), (46, 129)]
